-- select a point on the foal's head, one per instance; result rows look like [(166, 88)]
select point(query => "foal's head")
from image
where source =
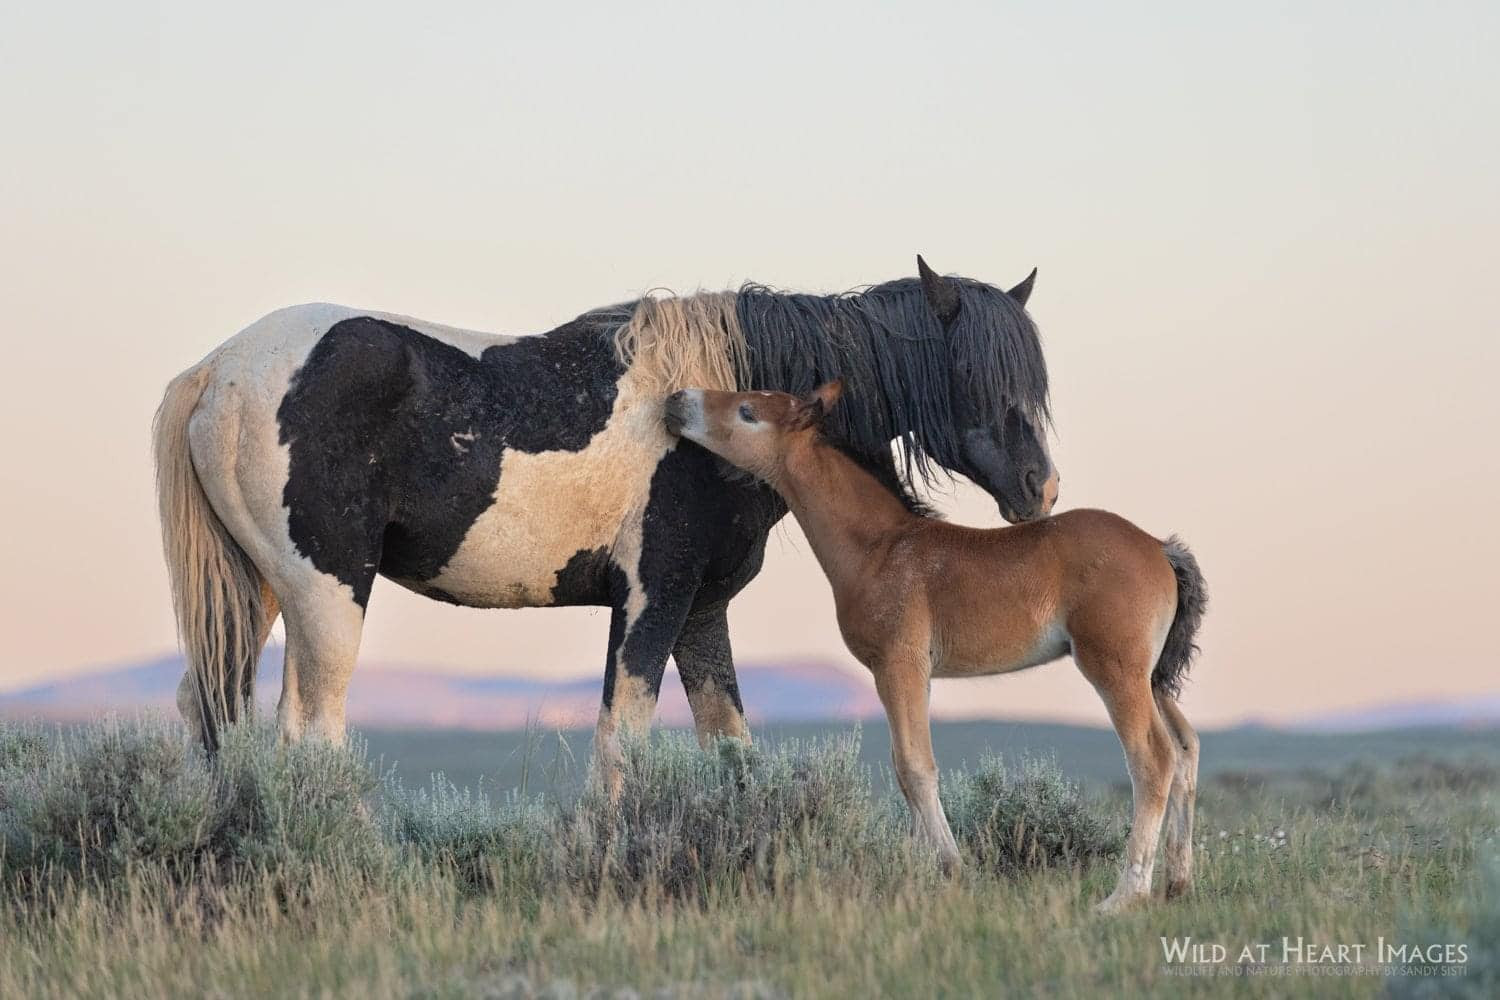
[(751, 430)]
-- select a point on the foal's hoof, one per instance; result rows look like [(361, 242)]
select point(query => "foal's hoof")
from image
[(1116, 903)]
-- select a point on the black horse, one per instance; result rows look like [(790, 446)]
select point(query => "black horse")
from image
[(324, 445)]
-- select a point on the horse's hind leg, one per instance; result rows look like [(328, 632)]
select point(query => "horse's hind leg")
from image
[(1180, 803), (706, 665), (323, 628), (188, 703), (1122, 678)]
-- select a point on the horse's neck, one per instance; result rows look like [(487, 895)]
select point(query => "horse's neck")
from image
[(844, 511)]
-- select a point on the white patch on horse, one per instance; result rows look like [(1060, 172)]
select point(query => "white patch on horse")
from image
[(512, 553), (1053, 642), (462, 440)]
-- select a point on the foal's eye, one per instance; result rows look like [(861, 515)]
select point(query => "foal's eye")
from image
[(746, 414)]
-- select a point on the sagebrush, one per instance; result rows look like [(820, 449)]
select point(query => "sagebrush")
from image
[(100, 801)]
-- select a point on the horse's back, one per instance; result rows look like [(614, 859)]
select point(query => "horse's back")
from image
[(279, 342), (470, 467)]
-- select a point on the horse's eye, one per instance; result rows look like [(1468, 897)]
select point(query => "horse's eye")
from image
[(746, 414)]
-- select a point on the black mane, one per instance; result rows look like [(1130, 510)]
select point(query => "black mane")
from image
[(898, 363)]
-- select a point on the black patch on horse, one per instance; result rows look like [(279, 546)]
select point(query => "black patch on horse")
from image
[(396, 438), (587, 579)]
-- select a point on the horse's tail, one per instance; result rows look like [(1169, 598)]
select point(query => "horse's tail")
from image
[(1192, 599), (216, 590)]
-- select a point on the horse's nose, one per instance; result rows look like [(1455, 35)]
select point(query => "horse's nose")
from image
[(1034, 485), (1039, 489)]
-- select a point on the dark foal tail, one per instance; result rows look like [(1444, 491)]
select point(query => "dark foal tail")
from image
[(1192, 599)]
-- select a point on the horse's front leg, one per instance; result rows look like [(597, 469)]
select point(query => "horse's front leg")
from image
[(706, 665), (643, 627)]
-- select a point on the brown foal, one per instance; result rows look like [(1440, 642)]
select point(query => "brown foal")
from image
[(919, 598)]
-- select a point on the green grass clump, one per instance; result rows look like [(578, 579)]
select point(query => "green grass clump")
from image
[(1030, 816), (102, 801), (690, 822), (289, 809), (107, 798), (509, 848), (23, 745)]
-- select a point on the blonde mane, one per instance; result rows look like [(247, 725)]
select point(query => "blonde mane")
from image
[(693, 341)]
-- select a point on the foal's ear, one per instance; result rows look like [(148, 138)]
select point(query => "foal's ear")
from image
[(829, 393), (815, 405), (941, 292)]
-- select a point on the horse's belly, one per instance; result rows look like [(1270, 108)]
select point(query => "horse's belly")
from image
[(1005, 654), (555, 519)]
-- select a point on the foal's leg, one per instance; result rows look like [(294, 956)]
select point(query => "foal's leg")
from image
[(706, 666), (903, 685), (1123, 680), (1179, 838)]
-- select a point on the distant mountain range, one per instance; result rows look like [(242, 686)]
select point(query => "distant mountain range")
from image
[(1478, 712), (407, 697), (429, 699)]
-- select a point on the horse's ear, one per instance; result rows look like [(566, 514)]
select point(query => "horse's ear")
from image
[(941, 292), (1022, 292)]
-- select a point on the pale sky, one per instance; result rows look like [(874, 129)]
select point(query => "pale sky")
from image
[(1267, 240)]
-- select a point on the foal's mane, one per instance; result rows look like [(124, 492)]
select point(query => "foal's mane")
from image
[(899, 365)]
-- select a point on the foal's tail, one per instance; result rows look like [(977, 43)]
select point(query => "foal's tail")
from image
[(1192, 599), (216, 590)]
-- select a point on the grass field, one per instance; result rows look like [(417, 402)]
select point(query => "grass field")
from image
[(132, 867)]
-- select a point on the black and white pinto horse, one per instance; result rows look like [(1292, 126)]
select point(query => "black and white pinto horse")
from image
[(325, 445)]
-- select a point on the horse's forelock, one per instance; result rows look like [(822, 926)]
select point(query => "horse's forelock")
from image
[(1007, 368), (897, 361)]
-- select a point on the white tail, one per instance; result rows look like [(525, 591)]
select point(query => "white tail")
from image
[(216, 590)]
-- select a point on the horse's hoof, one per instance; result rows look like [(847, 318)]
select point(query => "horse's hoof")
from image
[(1178, 889)]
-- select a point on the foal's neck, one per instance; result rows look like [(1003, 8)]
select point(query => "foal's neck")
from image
[(843, 509)]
